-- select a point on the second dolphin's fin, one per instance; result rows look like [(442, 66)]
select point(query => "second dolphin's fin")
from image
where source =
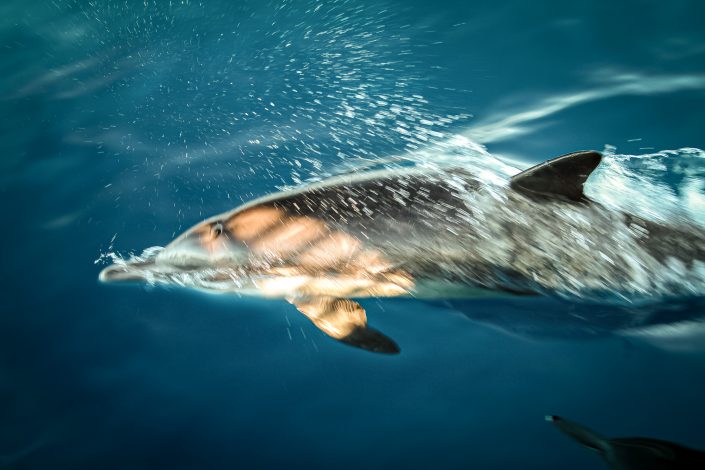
[(346, 321), (561, 177), (580, 433), (633, 453)]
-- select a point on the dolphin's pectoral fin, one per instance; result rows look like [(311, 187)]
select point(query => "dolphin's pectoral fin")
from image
[(580, 433), (371, 340), (561, 177), (346, 321)]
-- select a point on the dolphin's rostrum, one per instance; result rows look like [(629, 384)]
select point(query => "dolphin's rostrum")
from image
[(440, 233)]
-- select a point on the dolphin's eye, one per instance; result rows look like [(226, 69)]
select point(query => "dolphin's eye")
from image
[(217, 230)]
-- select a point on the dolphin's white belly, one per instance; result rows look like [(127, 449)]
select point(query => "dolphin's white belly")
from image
[(300, 286)]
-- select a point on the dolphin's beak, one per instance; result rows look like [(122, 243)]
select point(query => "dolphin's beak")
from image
[(125, 272), (204, 246)]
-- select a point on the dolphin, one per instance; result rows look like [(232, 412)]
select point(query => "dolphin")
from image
[(439, 233), (637, 453)]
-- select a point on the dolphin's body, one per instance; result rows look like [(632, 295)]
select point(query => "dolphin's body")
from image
[(633, 453), (428, 234)]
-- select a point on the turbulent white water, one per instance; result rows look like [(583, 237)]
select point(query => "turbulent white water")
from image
[(666, 186)]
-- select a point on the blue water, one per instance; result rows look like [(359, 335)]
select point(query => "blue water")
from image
[(123, 123)]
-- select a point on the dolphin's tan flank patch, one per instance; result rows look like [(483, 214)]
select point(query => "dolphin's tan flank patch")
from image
[(253, 223), (305, 258), (372, 261), (290, 236), (336, 248)]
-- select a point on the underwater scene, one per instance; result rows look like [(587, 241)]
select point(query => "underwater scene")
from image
[(352, 234)]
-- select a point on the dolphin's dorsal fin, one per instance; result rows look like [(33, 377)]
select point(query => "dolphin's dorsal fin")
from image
[(562, 177), (346, 321)]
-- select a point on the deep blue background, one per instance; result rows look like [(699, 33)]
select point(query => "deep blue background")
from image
[(129, 118)]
